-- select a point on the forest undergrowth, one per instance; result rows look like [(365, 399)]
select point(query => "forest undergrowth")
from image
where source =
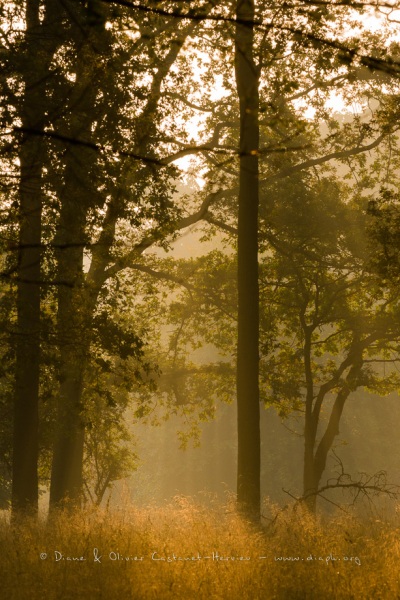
[(186, 550)]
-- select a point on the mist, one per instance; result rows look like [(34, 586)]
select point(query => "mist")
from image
[(199, 299)]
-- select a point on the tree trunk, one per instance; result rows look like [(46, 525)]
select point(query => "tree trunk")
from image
[(310, 484), (315, 463), (73, 340), (248, 475), (25, 445), (73, 321), (40, 46), (310, 426), (67, 465)]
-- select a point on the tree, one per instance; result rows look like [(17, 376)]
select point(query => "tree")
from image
[(96, 222), (100, 148), (38, 47), (91, 45), (294, 145), (248, 484), (276, 83), (334, 322), (68, 130)]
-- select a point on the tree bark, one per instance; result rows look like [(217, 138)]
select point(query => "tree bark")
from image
[(67, 465), (247, 82), (40, 46), (25, 443), (66, 475)]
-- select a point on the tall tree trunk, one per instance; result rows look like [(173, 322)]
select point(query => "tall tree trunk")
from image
[(72, 321), (25, 444), (248, 475), (67, 465), (74, 315), (39, 49), (77, 299)]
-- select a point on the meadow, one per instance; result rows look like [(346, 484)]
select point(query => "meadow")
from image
[(189, 551)]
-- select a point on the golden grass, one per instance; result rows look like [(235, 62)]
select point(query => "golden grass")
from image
[(367, 557)]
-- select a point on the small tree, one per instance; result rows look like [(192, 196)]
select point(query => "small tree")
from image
[(333, 320)]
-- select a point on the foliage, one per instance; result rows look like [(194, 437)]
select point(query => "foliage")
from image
[(122, 83), (384, 232)]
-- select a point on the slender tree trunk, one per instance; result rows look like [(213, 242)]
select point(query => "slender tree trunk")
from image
[(310, 484), (25, 446), (77, 299), (39, 49), (67, 465), (248, 475), (73, 337), (315, 458), (310, 426)]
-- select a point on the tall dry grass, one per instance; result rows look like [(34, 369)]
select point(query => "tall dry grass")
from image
[(343, 558)]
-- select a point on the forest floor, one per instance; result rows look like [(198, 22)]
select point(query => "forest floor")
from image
[(185, 551)]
